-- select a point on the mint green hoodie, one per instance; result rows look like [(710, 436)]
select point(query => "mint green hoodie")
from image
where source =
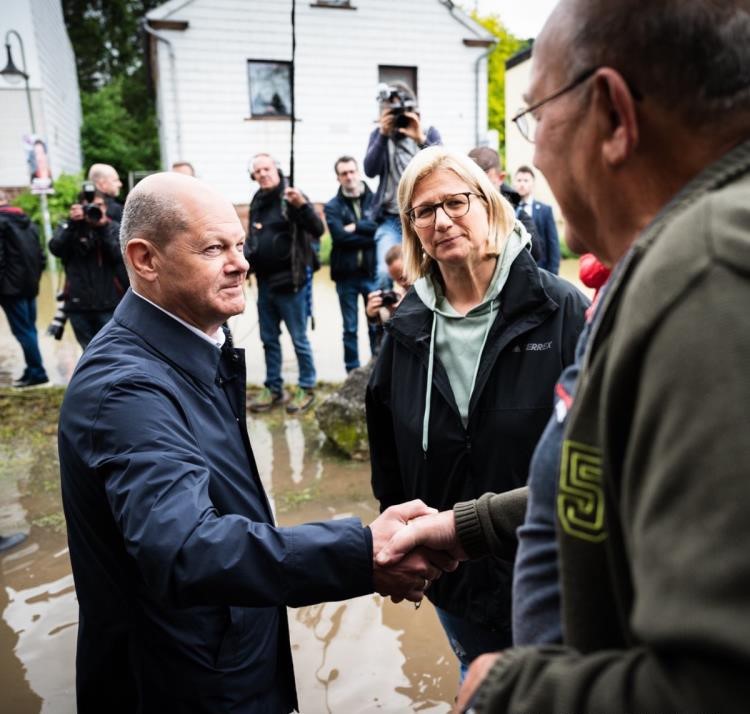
[(459, 339)]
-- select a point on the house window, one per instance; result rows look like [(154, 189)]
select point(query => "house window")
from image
[(270, 93), (390, 73)]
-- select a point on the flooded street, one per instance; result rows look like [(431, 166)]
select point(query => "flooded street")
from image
[(362, 655)]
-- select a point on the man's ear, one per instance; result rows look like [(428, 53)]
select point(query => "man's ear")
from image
[(617, 114), (144, 258)]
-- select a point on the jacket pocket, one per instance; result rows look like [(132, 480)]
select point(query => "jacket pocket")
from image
[(249, 640)]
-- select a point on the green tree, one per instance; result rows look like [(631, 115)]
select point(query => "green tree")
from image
[(119, 118), (507, 45), (112, 135)]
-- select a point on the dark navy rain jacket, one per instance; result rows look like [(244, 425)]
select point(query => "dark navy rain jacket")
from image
[(181, 576)]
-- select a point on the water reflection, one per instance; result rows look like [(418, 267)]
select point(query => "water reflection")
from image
[(363, 655)]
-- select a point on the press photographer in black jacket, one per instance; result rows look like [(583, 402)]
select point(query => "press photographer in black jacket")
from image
[(89, 247), (281, 247)]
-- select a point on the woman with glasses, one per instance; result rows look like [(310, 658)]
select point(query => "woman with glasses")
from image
[(463, 385)]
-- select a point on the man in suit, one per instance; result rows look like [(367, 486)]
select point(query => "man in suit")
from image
[(544, 221), (181, 575)]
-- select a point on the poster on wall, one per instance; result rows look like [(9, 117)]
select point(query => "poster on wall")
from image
[(39, 167)]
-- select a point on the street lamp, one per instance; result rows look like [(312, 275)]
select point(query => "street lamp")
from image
[(13, 75)]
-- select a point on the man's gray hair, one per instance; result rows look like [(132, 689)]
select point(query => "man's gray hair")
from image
[(690, 55), (152, 217)]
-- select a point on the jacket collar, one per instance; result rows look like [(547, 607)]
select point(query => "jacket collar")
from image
[(177, 344), (364, 196), (523, 294), (733, 164), (524, 304)]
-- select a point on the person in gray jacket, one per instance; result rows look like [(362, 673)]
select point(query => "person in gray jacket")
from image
[(652, 172)]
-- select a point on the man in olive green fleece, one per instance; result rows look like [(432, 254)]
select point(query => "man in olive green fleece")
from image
[(641, 123)]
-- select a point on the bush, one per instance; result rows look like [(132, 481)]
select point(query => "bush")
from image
[(325, 249), (67, 188)]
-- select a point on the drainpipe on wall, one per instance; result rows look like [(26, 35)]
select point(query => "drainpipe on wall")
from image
[(173, 73), (477, 64), (450, 6)]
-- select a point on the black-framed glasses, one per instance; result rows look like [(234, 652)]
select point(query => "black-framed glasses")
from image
[(454, 206)]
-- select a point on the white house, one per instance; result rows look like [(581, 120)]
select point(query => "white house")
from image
[(53, 85), (518, 151), (221, 72)]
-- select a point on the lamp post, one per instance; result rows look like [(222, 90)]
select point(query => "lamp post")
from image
[(13, 75)]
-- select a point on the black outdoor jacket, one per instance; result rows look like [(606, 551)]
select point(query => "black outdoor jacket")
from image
[(21, 257), (282, 241), (94, 269), (531, 340), (352, 254)]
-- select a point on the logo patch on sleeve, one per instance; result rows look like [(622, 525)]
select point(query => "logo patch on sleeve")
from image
[(580, 499)]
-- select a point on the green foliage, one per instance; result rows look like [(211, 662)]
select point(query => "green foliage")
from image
[(111, 135), (119, 118), (507, 45), (325, 249), (107, 38), (67, 187)]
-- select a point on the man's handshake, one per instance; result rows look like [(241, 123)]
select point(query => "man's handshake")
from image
[(412, 545)]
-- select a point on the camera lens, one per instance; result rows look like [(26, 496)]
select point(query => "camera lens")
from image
[(93, 213)]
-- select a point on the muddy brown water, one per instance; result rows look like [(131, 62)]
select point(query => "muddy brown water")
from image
[(359, 655)]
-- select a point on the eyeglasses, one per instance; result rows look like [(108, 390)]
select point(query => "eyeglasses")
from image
[(454, 206), (525, 121)]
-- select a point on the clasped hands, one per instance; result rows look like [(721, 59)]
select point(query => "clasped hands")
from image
[(412, 545)]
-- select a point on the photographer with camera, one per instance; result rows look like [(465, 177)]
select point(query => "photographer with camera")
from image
[(88, 245), (21, 264), (381, 304), (106, 179), (392, 145)]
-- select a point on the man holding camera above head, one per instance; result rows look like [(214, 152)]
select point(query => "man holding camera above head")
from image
[(281, 248), (88, 245), (352, 252), (106, 180), (21, 264), (392, 145)]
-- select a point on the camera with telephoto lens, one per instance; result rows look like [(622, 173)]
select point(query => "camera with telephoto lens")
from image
[(389, 297), (57, 326), (399, 102), (91, 211)]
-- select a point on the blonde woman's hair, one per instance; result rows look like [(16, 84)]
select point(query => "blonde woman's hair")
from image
[(500, 214)]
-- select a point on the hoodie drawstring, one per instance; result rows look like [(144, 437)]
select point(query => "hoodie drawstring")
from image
[(481, 349), (428, 388)]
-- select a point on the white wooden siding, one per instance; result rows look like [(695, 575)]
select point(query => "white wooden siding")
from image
[(338, 53), (54, 89), (60, 98)]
